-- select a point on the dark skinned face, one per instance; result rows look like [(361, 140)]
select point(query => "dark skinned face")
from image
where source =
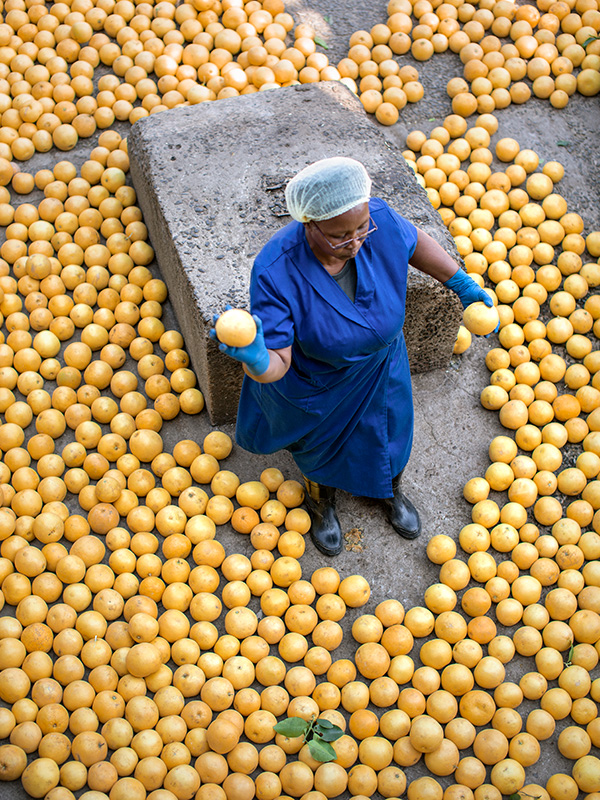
[(322, 235)]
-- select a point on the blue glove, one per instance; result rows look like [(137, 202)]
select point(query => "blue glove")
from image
[(255, 355), (469, 291)]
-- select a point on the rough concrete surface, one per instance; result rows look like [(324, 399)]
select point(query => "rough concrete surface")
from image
[(452, 430), (212, 197)]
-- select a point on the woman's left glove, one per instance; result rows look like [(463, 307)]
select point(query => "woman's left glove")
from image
[(468, 290), (255, 355)]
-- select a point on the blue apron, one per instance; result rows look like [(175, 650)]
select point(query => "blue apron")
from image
[(344, 408)]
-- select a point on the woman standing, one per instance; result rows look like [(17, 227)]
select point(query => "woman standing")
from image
[(327, 377)]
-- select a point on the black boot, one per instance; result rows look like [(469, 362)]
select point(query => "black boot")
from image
[(325, 530), (402, 515)]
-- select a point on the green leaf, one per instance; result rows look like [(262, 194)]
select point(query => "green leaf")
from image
[(321, 43), (325, 724), (570, 656), (590, 40), (320, 750), (431, 119), (562, 143), (327, 18), (520, 795), (331, 734), (291, 727)]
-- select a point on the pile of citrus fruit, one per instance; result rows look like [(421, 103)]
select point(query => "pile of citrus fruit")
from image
[(553, 45), (71, 68), (532, 559), (67, 70), (139, 659)]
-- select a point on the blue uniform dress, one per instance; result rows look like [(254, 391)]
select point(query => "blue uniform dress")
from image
[(344, 408)]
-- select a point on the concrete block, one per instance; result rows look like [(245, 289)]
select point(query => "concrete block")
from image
[(210, 181)]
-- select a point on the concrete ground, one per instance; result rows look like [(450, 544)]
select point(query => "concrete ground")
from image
[(452, 430)]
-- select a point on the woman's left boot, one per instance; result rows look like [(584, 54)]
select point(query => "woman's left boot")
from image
[(401, 513), (325, 530)]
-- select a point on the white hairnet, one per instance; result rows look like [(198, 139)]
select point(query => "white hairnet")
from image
[(327, 188)]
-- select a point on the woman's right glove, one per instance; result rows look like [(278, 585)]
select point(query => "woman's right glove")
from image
[(255, 355)]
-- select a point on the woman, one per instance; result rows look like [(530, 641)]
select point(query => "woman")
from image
[(327, 376)]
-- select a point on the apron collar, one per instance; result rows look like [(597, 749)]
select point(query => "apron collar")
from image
[(315, 273)]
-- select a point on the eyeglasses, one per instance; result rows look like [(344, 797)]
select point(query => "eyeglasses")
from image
[(341, 245)]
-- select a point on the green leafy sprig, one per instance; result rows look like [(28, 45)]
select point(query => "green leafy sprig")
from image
[(569, 662), (317, 733)]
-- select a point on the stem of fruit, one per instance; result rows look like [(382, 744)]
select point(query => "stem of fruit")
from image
[(311, 724)]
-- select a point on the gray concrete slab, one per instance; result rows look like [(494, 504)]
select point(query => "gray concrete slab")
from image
[(210, 181)]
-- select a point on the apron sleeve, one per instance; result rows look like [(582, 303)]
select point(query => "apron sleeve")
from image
[(408, 232), (267, 303)]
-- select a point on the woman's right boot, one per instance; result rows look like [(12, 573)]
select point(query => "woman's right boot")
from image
[(325, 530)]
